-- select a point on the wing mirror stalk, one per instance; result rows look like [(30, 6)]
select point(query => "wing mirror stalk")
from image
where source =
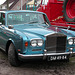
[(10, 26)]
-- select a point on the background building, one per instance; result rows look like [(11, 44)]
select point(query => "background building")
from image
[(16, 4)]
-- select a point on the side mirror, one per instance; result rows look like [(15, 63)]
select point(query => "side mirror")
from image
[(10, 26)]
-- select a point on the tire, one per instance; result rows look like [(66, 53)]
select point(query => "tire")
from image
[(12, 56), (69, 10)]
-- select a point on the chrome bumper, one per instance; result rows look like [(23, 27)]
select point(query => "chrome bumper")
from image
[(72, 54), (42, 56)]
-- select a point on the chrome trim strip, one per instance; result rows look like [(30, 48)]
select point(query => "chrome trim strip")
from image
[(30, 55), (58, 53), (72, 52), (36, 39), (42, 55), (71, 38)]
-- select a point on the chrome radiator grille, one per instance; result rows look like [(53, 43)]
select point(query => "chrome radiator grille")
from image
[(56, 43)]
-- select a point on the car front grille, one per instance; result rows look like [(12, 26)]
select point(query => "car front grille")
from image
[(56, 43)]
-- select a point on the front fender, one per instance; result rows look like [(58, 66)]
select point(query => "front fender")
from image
[(16, 42)]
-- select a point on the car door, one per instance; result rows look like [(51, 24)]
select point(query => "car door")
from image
[(2, 31), (0, 36)]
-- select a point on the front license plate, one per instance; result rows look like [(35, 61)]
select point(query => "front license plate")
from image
[(63, 57)]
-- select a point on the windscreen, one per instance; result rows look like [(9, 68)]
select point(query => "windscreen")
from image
[(25, 18)]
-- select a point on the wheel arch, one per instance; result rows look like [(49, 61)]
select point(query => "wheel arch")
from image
[(8, 44)]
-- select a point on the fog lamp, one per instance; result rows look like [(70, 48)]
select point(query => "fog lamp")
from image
[(71, 50)]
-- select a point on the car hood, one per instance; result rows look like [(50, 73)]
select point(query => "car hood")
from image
[(43, 31)]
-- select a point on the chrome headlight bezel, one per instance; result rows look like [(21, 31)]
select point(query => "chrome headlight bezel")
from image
[(71, 41), (40, 42), (33, 43), (37, 42)]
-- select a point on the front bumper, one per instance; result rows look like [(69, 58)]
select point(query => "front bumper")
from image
[(72, 54), (41, 56)]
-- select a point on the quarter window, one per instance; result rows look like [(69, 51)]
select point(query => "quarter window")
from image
[(2, 18)]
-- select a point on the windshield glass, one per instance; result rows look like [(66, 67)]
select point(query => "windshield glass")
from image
[(26, 18)]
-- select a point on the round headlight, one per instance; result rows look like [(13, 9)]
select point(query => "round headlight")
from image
[(70, 41), (33, 43), (40, 42)]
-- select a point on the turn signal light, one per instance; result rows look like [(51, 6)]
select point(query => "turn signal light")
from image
[(26, 44), (19, 50)]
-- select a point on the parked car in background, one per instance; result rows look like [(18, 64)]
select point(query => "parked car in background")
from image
[(29, 35)]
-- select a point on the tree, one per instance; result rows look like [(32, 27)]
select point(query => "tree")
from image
[(8, 4)]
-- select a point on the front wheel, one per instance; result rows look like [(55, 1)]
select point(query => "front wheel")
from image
[(12, 56)]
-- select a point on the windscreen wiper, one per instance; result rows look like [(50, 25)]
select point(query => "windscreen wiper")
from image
[(33, 22)]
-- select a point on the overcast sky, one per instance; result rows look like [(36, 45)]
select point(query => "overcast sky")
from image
[(2, 1)]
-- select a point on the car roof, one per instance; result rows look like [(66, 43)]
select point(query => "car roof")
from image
[(12, 11)]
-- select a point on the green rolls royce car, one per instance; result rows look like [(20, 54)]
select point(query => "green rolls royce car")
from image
[(29, 35)]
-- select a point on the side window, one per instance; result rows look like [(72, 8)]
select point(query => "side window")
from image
[(2, 18), (44, 2)]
